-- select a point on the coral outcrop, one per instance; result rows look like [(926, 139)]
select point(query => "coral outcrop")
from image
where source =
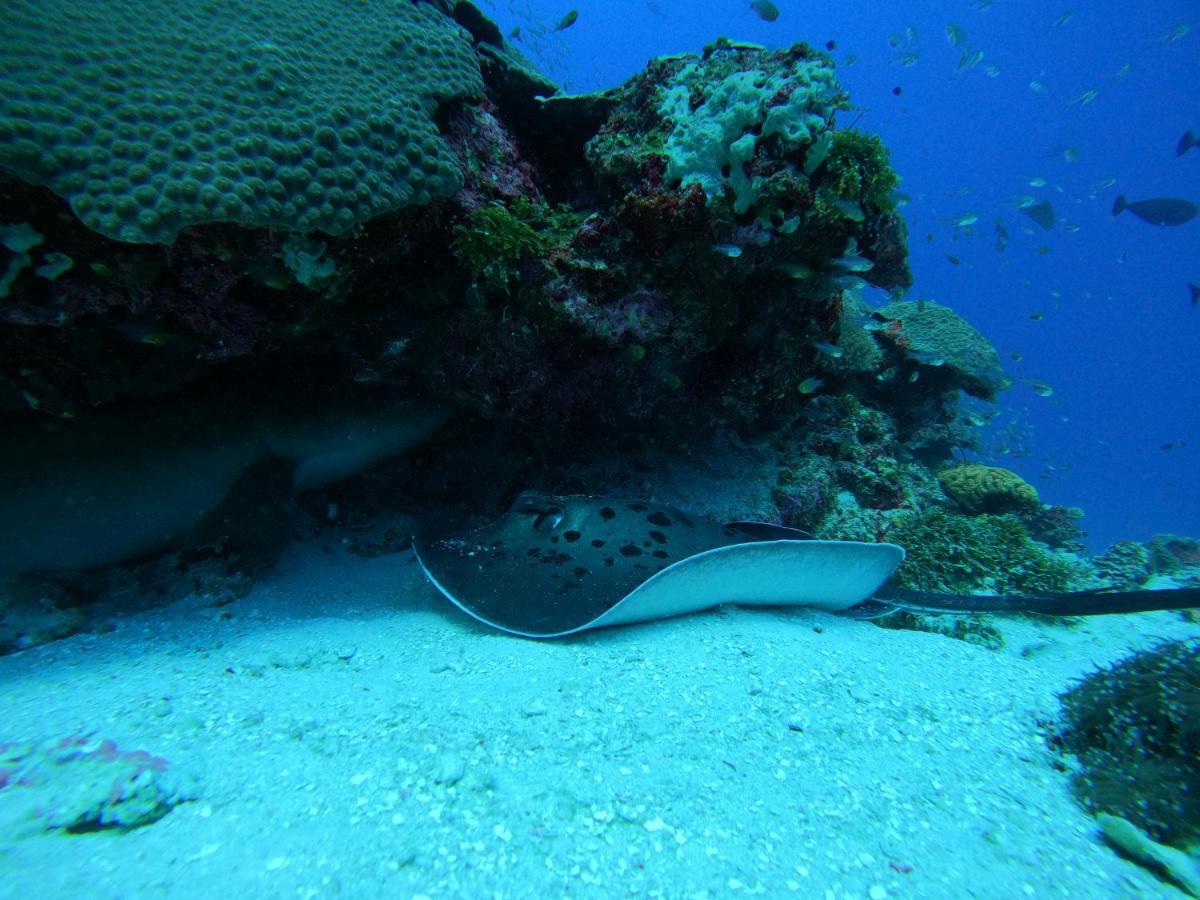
[(941, 339), (988, 489)]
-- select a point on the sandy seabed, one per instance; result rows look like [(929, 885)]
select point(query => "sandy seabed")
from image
[(350, 734)]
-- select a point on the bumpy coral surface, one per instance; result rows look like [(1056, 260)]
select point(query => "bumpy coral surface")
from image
[(148, 116), (989, 489), (938, 334)]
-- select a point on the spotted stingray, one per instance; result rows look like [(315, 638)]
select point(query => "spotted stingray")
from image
[(553, 566)]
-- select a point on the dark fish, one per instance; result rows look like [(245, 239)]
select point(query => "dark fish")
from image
[(1042, 213), (567, 21), (1194, 289), (1187, 142), (1159, 211), (767, 11)]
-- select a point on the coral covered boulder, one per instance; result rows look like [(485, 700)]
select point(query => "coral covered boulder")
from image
[(989, 489), (935, 333), (148, 116)]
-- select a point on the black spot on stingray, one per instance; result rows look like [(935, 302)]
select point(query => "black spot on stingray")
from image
[(554, 539), (579, 572), (638, 507), (532, 551), (661, 554), (631, 550), (607, 513), (645, 543), (659, 518), (571, 536), (684, 520), (659, 537), (597, 543), (608, 560)]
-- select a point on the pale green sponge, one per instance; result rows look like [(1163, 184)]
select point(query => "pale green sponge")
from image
[(710, 144)]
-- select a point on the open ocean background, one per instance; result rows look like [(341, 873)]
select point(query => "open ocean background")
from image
[(1098, 307)]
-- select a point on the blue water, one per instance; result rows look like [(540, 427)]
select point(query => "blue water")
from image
[(1097, 308)]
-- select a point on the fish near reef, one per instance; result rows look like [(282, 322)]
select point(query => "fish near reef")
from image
[(1158, 211), (567, 21), (1187, 142), (767, 11)]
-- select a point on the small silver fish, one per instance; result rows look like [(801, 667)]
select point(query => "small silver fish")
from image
[(733, 251), (794, 270), (830, 350), (850, 209), (926, 358), (810, 385), (848, 282), (853, 263)]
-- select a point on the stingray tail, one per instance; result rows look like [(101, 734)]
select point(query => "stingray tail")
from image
[(1072, 603)]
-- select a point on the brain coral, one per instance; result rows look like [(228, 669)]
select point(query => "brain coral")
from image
[(986, 489), (937, 330), (148, 116)]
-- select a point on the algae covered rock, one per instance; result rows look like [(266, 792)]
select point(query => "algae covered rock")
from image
[(929, 331), (313, 115), (988, 489), (1135, 729)]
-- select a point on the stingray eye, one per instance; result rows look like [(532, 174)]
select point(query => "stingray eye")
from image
[(548, 519)]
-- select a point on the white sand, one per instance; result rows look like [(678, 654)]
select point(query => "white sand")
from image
[(353, 735)]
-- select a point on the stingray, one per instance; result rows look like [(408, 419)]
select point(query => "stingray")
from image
[(554, 566)]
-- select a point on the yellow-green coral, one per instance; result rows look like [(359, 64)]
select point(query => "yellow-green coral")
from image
[(861, 169), (988, 489)]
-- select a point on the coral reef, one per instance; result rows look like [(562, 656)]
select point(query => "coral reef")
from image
[(980, 554), (1057, 526), (946, 344), (1135, 729), (1172, 554), (988, 489), (1125, 565), (84, 784)]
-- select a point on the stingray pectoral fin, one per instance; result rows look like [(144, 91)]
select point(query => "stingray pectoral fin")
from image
[(831, 575)]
